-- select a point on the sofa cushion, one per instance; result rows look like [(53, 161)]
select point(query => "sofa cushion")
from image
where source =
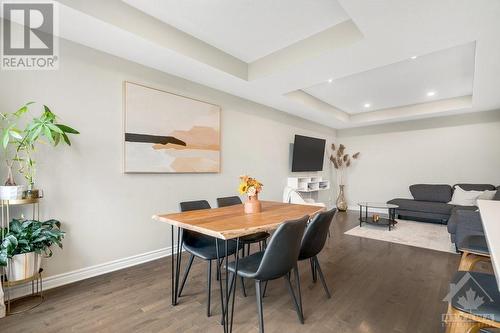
[(430, 192), (464, 198), (423, 206), (476, 187), (497, 195), (452, 222)]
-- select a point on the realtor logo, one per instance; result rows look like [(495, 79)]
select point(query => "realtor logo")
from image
[(28, 41), (471, 296)]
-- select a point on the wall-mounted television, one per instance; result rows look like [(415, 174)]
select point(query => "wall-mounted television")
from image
[(308, 154)]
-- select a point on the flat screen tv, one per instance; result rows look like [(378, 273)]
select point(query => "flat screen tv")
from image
[(308, 154)]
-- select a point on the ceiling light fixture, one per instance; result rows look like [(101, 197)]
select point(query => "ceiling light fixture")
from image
[(367, 105), (413, 57), (431, 93), (330, 80)]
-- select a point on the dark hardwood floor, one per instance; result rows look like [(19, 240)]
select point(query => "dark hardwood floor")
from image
[(377, 287)]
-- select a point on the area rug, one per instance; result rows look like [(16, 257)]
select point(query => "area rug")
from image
[(426, 235)]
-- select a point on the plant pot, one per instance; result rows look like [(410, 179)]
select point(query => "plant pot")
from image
[(31, 194), (253, 205), (23, 266), (12, 192), (341, 202)]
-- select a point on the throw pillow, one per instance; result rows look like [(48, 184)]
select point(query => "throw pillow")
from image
[(487, 195), (464, 198)]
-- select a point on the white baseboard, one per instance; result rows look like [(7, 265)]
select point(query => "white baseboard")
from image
[(88, 272)]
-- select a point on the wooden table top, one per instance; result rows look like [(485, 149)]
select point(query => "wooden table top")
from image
[(232, 222)]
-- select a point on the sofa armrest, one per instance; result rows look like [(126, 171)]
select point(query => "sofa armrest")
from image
[(468, 223)]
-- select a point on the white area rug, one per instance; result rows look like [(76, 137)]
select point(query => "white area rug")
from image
[(420, 234)]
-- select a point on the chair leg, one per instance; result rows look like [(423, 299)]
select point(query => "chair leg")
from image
[(186, 272), (469, 260), (297, 280), (248, 249), (292, 294), (265, 288), (313, 269), (258, 296), (321, 277), (243, 287), (209, 277)]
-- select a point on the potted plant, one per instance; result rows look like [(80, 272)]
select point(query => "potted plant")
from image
[(20, 145), (24, 243), (251, 187), (341, 161)]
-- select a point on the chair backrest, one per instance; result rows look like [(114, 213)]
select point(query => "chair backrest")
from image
[(282, 251), (228, 201), (194, 205), (191, 237), (292, 196), (315, 235)]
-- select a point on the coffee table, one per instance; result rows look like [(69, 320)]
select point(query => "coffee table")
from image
[(382, 221)]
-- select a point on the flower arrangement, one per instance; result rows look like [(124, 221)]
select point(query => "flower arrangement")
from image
[(341, 161), (249, 186)]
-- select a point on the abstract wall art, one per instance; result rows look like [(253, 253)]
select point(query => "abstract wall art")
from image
[(169, 133)]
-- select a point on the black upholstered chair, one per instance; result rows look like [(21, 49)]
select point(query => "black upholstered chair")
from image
[(248, 240), (464, 317), (313, 242), (203, 247), (278, 260)]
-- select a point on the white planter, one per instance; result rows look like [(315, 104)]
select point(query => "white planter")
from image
[(12, 192), (23, 266)]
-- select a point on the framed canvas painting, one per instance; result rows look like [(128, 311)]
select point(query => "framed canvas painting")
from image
[(169, 133)]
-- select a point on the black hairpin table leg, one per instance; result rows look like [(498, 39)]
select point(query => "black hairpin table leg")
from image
[(175, 262)]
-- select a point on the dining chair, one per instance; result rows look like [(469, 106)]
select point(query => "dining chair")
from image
[(463, 316), (203, 247), (248, 240), (258, 237), (276, 261), (474, 250), (313, 242)]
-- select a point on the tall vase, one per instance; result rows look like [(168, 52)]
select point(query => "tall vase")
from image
[(341, 202), (253, 205)]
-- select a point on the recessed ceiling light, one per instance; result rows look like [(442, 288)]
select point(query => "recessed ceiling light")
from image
[(367, 105), (413, 57), (330, 80), (431, 93)]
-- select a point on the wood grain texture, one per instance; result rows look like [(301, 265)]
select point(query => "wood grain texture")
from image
[(231, 222), (376, 286)]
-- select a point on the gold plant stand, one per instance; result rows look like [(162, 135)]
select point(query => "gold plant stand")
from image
[(36, 280)]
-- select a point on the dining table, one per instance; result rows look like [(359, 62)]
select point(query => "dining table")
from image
[(490, 217), (227, 224)]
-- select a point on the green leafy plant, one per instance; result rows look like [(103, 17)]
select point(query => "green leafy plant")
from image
[(42, 129), (25, 236)]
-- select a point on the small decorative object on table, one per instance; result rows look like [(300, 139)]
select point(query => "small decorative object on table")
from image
[(251, 187), (376, 219), (341, 161)]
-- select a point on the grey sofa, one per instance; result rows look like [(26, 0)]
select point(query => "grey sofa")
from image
[(430, 202), (465, 221)]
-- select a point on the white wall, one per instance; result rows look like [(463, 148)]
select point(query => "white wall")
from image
[(445, 150), (107, 214)]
